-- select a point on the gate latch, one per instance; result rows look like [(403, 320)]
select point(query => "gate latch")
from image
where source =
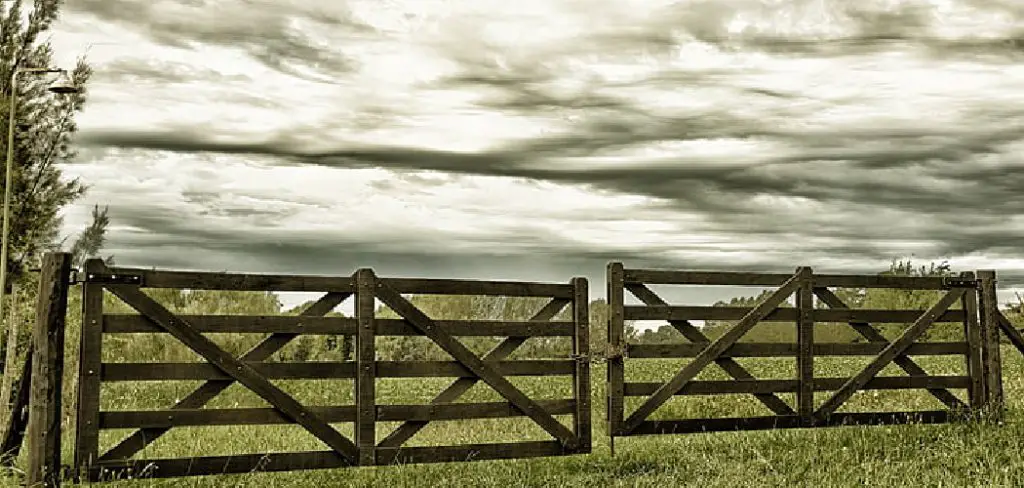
[(956, 282)]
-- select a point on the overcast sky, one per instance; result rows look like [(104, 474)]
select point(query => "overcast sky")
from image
[(540, 139)]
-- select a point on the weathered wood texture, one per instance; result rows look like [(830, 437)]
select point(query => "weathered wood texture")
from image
[(254, 370), (17, 420), (806, 286), (44, 417), (990, 357)]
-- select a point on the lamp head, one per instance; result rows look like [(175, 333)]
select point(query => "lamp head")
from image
[(63, 86)]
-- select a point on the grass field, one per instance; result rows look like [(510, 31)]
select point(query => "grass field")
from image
[(915, 455)]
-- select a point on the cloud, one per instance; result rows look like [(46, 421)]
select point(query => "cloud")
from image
[(275, 33), (536, 140)]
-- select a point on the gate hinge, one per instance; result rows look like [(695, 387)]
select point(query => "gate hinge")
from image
[(108, 278), (955, 282)]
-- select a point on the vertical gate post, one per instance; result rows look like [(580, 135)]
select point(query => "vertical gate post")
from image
[(991, 360), (805, 345), (581, 350), (366, 367), (616, 349), (44, 416), (972, 332), (90, 358)]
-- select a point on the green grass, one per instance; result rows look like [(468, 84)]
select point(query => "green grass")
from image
[(968, 454)]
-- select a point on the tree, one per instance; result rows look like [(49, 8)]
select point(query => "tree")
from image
[(44, 127), (91, 240)]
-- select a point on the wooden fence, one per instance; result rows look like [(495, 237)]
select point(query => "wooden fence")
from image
[(979, 347), (254, 371)]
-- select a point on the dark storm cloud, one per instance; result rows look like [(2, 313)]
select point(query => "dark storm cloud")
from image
[(156, 236), (950, 186), (262, 30)]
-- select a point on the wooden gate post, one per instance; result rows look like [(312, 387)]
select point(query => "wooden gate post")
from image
[(44, 415), (805, 346), (990, 354), (366, 374)]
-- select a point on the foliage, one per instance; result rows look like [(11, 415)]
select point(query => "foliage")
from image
[(44, 129)]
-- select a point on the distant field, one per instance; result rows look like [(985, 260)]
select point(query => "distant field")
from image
[(944, 455)]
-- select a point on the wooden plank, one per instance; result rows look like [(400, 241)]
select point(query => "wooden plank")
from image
[(731, 387), (460, 353), (115, 372), (291, 461), (432, 286), (786, 314), (1011, 332), (280, 324), (713, 351), (903, 361), (615, 363), (17, 420), (366, 375), (991, 356), (457, 388), (700, 341), (240, 371), (783, 349), (891, 351), (344, 413), (90, 352), (729, 278), (204, 280), (43, 431), (805, 344), (471, 452), (692, 426), (976, 393), (581, 374), (209, 390)]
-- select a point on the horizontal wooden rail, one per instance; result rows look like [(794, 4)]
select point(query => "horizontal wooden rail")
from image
[(290, 461), (328, 370), (728, 278), (789, 386), (344, 413), (205, 280), (786, 314), (765, 349), (689, 426), (433, 286), (279, 324)]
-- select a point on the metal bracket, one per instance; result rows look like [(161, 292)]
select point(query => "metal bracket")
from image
[(109, 278), (954, 282)]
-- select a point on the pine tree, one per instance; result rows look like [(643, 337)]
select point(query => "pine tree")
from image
[(44, 127)]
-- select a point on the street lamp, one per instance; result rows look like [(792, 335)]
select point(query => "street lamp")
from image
[(63, 86)]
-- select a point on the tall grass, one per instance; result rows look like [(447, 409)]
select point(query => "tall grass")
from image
[(967, 454)]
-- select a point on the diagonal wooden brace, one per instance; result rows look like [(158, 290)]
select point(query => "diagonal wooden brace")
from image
[(893, 350), (477, 366), (903, 361), (694, 335), (209, 390), (710, 353), (460, 386)]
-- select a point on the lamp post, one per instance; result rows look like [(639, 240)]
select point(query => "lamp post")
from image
[(62, 87)]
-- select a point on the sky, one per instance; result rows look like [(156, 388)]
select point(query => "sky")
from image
[(541, 139)]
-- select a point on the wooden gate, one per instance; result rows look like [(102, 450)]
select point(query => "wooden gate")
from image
[(254, 370), (978, 347)]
